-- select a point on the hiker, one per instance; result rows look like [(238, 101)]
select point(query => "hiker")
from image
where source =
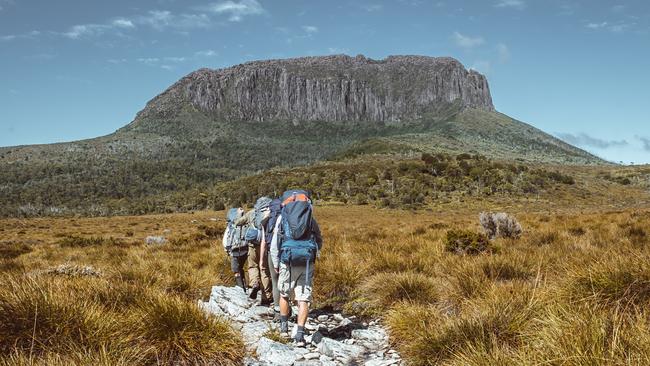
[(252, 222), (266, 262), (299, 244), (235, 246)]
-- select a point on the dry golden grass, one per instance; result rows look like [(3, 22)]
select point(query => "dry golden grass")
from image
[(573, 290)]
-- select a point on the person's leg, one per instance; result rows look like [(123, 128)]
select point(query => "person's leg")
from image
[(274, 284), (253, 270), (236, 265), (242, 265), (265, 279), (302, 292), (284, 287), (303, 312)]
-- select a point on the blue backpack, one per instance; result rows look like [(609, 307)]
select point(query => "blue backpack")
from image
[(253, 236), (275, 208), (298, 244)]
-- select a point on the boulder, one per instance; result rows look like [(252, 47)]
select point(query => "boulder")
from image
[(270, 353), (336, 349), (153, 240)]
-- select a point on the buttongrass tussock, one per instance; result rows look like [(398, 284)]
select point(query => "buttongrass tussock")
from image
[(572, 289)]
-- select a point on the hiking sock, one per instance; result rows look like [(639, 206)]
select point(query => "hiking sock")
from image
[(284, 324)]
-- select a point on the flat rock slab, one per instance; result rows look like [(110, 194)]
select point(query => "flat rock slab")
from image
[(361, 345)]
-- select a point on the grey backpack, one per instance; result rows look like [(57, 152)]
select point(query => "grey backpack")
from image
[(236, 235), (262, 212)]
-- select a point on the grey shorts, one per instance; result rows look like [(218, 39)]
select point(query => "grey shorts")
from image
[(295, 279)]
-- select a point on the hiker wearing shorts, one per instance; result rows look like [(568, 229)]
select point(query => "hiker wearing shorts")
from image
[(299, 246)]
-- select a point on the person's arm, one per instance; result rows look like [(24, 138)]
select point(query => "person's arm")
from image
[(249, 218), (263, 257), (224, 241), (275, 250)]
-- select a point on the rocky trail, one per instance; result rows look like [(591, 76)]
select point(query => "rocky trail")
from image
[(333, 339)]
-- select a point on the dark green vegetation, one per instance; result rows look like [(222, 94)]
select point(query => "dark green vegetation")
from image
[(171, 166), (393, 182)]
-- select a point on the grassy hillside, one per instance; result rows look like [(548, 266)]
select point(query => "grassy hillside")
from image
[(162, 164), (573, 290)]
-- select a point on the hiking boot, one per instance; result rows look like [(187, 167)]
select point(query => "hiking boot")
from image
[(299, 340), (253, 294), (266, 302)]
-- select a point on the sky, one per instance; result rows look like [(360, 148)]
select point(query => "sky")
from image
[(577, 69)]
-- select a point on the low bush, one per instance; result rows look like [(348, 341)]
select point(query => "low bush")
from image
[(544, 238), (426, 337), (13, 249), (499, 225), (78, 241), (615, 280), (177, 332), (45, 316), (507, 269), (466, 242), (385, 289), (577, 231)]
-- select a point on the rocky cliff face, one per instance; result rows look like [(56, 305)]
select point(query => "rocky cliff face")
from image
[(330, 88)]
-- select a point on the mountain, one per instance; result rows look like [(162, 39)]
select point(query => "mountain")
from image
[(217, 125)]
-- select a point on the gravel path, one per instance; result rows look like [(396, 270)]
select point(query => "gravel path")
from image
[(332, 340)]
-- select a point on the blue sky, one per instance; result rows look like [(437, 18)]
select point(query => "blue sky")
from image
[(575, 68)]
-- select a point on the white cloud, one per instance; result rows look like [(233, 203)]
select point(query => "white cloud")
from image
[(123, 23), (372, 7), (206, 53), (503, 52), (175, 59), (162, 19), (515, 4), (157, 19), (337, 50), (597, 25), (310, 29), (237, 10), (85, 30), (28, 35), (585, 140), (618, 27), (116, 60), (467, 42), (148, 60)]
